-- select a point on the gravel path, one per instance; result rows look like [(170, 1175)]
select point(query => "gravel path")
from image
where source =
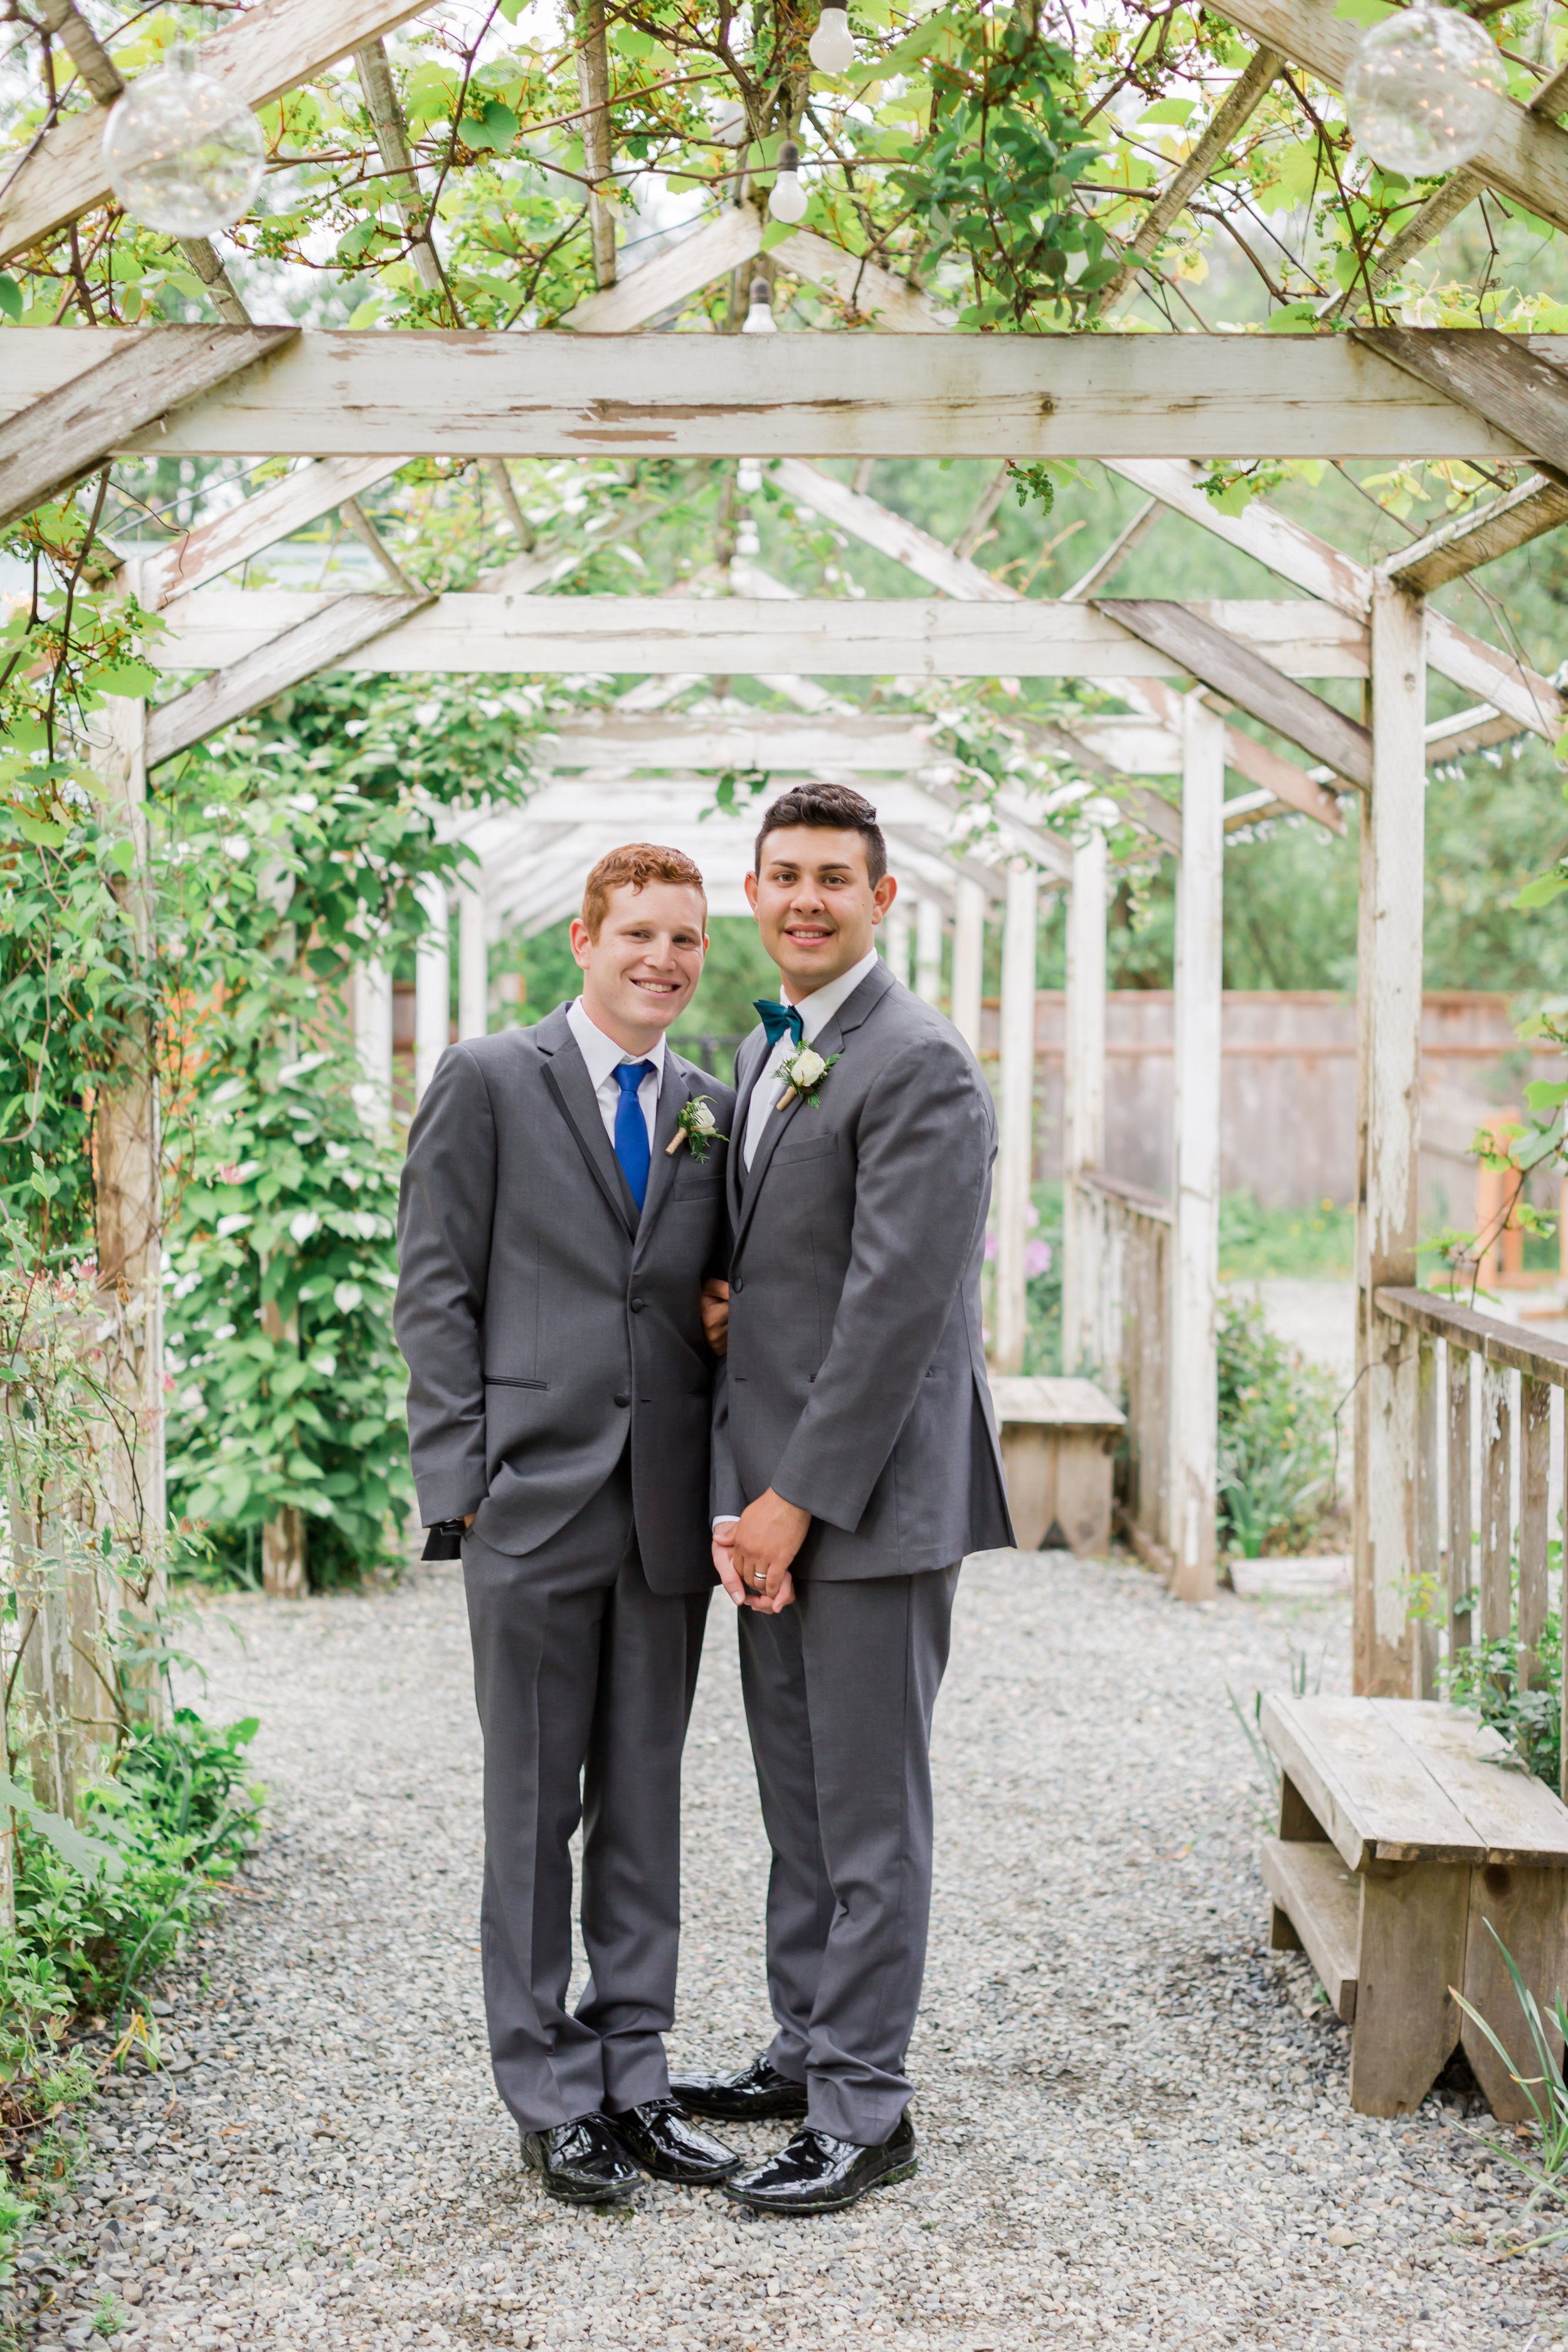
[(1134, 2126)]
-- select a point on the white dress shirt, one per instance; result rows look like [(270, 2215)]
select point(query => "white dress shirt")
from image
[(604, 1058), (816, 1012)]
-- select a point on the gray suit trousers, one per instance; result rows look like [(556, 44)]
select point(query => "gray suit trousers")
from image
[(585, 1681), (839, 1692)]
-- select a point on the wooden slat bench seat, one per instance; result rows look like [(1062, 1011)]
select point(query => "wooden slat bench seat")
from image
[(1407, 1829), (1057, 1438)]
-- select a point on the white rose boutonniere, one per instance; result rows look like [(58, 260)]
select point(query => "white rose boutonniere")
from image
[(697, 1128), (803, 1073)]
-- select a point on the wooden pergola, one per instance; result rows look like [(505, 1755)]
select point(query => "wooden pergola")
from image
[(353, 407)]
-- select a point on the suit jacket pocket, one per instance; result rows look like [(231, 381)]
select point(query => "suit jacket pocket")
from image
[(809, 1147), (503, 1380)]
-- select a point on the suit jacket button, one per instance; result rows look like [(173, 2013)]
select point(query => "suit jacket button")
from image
[(622, 1399), (737, 1282), (637, 1306)]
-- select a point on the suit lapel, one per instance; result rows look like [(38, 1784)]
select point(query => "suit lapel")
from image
[(829, 1039), (673, 1094), (735, 1172), (566, 1075)]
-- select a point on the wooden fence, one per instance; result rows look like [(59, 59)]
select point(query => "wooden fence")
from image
[(1488, 1465), (1130, 1345)]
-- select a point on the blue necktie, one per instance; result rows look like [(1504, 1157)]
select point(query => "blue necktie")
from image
[(778, 1018), (632, 1148)]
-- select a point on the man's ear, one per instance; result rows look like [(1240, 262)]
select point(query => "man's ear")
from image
[(883, 894), (751, 888), (581, 943)]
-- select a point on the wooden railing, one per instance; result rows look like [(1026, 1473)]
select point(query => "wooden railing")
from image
[(1476, 1461), (1131, 1232)]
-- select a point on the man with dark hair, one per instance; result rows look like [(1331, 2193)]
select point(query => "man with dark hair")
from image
[(855, 1464), (563, 1201)]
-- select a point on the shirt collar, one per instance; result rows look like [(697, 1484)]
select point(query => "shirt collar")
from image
[(601, 1053), (817, 1009)]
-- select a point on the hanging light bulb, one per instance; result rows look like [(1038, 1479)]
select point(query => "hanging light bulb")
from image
[(747, 543), (786, 197), (758, 318), (831, 47), (1425, 91), (749, 477), (182, 153)]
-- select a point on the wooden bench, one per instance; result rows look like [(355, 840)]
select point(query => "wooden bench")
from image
[(1057, 1438), (1403, 1834)]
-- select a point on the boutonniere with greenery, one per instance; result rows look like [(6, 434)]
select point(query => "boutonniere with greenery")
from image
[(697, 1128), (802, 1072)]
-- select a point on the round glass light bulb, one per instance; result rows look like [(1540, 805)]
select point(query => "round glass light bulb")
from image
[(747, 542), (831, 47), (749, 477), (1425, 91), (758, 318), (182, 153), (786, 197)]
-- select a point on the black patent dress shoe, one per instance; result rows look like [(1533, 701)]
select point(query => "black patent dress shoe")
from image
[(757, 2092), (581, 2162), (818, 2174), (658, 2138)]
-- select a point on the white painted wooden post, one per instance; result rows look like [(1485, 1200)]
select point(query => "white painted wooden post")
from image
[(928, 950), (432, 986), (473, 957), (1386, 1511), (372, 1041), (968, 960), (1083, 1105), (127, 1192), (1194, 1278), (1016, 1153), (896, 940)]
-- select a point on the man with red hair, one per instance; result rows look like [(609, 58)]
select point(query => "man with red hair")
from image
[(563, 1201)]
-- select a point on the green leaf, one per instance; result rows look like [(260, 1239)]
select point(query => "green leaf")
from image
[(40, 830), (122, 856), (86, 1855), (133, 679), (1179, 111), (1295, 319), (10, 300)]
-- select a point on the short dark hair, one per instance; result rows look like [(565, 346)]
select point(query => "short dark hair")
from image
[(831, 808)]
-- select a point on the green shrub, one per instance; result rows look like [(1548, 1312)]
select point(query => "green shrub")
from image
[(1276, 1438), (171, 1825), (1486, 1676)]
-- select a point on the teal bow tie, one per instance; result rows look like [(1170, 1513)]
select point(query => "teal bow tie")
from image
[(778, 1018)]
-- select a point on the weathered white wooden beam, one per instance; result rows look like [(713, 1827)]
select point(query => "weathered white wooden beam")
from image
[(473, 957), (1467, 730), (1015, 1142), (685, 800), (777, 741), (1497, 529), (258, 56), (432, 984), (1310, 562), (1195, 1262), (866, 289), (902, 636), (968, 960), (347, 392), (1083, 1119), (239, 532), (64, 434), (1244, 677), (1497, 375), (1231, 116), (373, 1042), (1388, 1011), (342, 627), (928, 950), (726, 242), (1526, 158), (879, 526)]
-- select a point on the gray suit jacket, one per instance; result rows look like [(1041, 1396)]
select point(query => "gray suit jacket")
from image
[(855, 1379), (541, 1315)]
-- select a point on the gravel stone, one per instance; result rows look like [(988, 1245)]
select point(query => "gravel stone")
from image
[(1133, 2119)]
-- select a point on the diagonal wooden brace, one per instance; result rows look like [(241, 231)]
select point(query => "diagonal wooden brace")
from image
[(282, 662)]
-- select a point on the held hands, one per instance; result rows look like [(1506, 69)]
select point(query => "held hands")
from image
[(715, 1304), (754, 1553)]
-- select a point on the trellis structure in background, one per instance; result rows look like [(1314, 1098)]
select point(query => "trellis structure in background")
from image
[(353, 407)]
